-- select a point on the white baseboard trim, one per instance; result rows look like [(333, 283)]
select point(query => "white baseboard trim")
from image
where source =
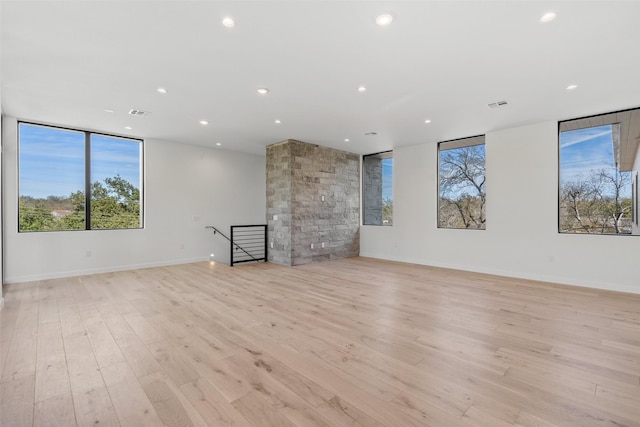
[(111, 269), (604, 286)]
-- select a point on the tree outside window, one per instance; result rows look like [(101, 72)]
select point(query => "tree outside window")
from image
[(462, 184), (595, 193), (76, 180)]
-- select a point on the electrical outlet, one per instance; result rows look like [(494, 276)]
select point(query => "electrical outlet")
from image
[(323, 244), (312, 246), (271, 245), (322, 198), (275, 217)]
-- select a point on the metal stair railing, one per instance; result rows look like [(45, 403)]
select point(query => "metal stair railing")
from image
[(248, 243)]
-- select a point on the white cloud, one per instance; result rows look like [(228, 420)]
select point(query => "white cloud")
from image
[(577, 137)]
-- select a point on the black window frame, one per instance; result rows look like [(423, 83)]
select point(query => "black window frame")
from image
[(454, 144), (87, 176), (388, 154), (635, 207)]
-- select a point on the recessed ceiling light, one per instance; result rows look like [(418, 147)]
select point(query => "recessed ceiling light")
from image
[(277, 122), (571, 87), (204, 122), (428, 121), (228, 22), (128, 127), (384, 19), (108, 111), (548, 17), (346, 140), (362, 89), (218, 144), (162, 90), (263, 90)]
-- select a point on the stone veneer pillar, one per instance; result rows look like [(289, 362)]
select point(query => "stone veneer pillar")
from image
[(299, 177), (372, 183)]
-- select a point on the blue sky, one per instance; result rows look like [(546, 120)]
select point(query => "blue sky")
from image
[(387, 178), (464, 188), (584, 150), (52, 160), (114, 156)]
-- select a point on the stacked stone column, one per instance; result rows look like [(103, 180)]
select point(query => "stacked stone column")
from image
[(314, 192)]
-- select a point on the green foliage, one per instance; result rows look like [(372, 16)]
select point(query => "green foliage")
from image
[(387, 211), (34, 216), (115, 204)]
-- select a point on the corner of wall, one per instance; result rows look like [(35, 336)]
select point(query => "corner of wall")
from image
[(1, 208), (174, 225)]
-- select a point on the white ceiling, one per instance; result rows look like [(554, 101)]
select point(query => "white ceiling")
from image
[(65, 62)]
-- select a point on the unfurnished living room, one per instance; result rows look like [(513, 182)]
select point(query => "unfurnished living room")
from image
[(319, 213)]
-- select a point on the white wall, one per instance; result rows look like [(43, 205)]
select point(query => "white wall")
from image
[(186, 188), (1, 192), (521, 239)]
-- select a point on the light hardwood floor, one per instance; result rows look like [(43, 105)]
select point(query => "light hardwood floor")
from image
[(356, 342)]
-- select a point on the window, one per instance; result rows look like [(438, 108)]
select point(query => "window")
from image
[(76, 180), (377, 183), (634, 198), (596, 163), (461, 183)]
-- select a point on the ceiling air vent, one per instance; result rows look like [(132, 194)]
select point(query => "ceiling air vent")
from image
[(139, 113), (371, 133), (498, 104)]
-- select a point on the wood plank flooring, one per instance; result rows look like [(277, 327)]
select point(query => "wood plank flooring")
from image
[(355, 342)]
